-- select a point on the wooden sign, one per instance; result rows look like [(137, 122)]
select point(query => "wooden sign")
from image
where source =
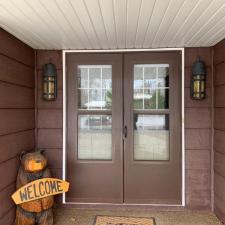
[(39, 189)]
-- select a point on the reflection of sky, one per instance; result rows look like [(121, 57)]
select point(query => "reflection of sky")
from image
[(138, 84)]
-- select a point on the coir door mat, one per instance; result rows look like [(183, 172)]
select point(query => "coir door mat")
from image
[(117, 220)]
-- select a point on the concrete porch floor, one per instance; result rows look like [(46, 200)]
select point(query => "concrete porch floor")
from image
[(86, 216)]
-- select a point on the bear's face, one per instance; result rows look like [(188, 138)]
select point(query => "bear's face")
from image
[(33, 161)]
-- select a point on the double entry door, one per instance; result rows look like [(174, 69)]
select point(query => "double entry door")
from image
[(124, 128)]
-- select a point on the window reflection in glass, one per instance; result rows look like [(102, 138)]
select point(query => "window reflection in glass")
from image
[(95, 137), (151, 137), (94, 87), (151, 86)]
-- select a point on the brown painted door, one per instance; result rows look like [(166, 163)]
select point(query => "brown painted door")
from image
[(152, 117), (94, 128), (124, 128)]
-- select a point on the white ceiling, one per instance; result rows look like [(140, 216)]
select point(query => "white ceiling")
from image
[(114, 24)]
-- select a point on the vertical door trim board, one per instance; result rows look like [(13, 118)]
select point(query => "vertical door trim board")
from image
[(64, 52)]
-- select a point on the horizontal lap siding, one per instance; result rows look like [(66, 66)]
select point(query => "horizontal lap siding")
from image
[(219, 129), (16, 115), (49, 115), (197, 127), (198, 131)]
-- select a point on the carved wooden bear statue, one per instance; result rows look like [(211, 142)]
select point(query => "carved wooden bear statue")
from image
[(33, 167)]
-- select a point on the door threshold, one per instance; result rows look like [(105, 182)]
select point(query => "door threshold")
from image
[(122, 205)]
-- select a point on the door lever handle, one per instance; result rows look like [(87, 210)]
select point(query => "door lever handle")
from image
[(125, 131)]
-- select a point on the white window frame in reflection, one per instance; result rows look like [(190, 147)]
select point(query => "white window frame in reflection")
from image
[(100, 105), (157, 88)]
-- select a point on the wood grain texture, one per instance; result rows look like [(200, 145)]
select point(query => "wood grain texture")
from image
[(10, 70), (198, 180), (16, 115), (54, 156), (12, 145), (49, 138), (15, 120), (219, 129), (6, 200), (197, 139), (14, 48), (13, 96), (198, 134), (45, 56), (191, 55), (219, 186), (219, 76), (12, 166), (198, 118), (50, 118), (9, 217), (219, 163), (198, 199), (198, 159), (219, 93), (219, 121), (219, 141), (220, 208), (219, 56)]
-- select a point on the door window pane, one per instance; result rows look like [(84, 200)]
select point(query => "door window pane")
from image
[(151, 86), (94, 87), (151, 137), (95, 137)]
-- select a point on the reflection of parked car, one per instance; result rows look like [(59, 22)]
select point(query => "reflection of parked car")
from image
[(98, 122), (96, 104), (151, 122)]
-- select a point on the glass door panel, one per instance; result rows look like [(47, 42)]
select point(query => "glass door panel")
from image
[(151, 137), (94, 95), (94, 137)]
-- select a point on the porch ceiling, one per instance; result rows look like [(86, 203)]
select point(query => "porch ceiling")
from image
[(113, 24)]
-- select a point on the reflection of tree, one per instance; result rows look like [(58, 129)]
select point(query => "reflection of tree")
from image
[(162, 102), (150, 103), (108, 98)]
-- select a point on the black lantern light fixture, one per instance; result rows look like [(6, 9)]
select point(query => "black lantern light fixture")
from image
[(49, 82), (198, 81)]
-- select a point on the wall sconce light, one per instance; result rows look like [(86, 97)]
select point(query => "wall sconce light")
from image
[(198, 81), (49, 82)]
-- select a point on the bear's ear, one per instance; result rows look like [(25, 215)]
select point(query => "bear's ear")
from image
[(22, 154), (42, 151)]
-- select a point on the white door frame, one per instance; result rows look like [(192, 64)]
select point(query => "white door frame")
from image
[(64, 52)]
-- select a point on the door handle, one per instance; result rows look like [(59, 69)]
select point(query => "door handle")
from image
[(125, 131)]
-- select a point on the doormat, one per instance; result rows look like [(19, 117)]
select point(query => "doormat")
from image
[(117, 220)]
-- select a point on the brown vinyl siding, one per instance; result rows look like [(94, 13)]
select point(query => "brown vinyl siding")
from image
[(49, 115), (198, 131), (197, 127), (16, 115), (219, 129)]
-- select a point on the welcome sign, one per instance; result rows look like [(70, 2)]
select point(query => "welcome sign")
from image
[(39, 189)]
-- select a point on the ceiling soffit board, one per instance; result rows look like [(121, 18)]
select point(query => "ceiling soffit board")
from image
[(114, 24)]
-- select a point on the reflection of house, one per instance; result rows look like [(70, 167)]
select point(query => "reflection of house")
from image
[(95, 122), (96, 104), (140, 96)]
